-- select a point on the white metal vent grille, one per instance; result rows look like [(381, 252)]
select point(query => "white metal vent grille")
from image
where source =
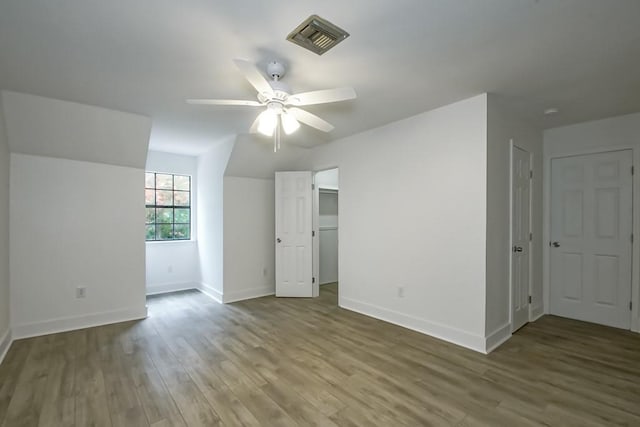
[(317, 35)]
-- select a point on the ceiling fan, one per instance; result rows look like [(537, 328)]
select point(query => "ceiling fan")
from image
[(282, 110)]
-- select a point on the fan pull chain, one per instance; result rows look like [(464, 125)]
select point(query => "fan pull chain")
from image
[(276, 136)]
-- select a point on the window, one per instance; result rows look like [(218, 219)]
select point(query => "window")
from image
[(168, 202)]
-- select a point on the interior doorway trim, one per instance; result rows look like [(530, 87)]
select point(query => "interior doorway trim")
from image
[(316, 229), (635, 225)]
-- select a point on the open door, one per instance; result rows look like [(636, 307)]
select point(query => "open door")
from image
[(520, 236), (294, 249)]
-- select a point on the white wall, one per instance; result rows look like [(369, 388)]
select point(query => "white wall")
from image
[(5, 336), (172, 266), (249, 230), (75, 224), (600, 135), (253, 157), (328, 179), (503, 127), (209, 216), (413, 214)]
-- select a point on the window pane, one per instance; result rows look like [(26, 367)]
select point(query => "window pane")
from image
[(181, 182), (181, 231), (164, 215), (149, 197), (182, 215), (164, 231), (168, 212), (149, 180), (151, 216), (164, 197), (181, 198), (151, 232), (164, 181)]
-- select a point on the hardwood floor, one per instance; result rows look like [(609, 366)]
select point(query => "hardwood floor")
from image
[(306, 362)]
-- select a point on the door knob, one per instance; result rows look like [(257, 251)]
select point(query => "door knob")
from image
[(278, 240), (556, 244), (517, 249)]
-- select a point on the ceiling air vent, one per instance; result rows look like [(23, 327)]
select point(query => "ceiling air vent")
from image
[(317, 34)]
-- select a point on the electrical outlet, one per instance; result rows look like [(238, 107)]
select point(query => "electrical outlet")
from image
[(81, 292), (401, 291)]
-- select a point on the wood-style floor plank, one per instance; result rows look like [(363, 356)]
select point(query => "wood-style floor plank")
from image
[(306, 362)]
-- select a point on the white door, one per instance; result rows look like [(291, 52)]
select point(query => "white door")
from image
[(294, 261), (590, 251), (520, 229)]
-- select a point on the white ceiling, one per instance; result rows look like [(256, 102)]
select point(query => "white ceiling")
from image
[(403, 57)]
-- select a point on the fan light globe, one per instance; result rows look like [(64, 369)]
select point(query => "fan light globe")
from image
[(289, 123), (268, 122)]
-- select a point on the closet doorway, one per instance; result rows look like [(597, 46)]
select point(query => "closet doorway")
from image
[(327, 190)]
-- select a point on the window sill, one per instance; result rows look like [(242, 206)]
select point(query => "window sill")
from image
[(169, 242)]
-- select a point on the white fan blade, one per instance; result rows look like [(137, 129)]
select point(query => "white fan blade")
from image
[(310, 119), (254, 76), (322, 96), (224, 102)]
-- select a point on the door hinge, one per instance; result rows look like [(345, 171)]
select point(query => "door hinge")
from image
[(530, 236), (529, 299), (313, 186), (630, 305), (313, 280), (633, 170), (531, 174), (313, 233), (631, 237)]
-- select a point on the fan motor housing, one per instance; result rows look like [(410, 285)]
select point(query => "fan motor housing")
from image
[(275, 70)]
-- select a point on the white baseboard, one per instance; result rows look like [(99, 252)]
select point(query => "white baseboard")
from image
[(5, 343), (170, 287), (635, 325), (535, 315), (228, 297), (248, 294), (64, 324), (443, 332), (497, 338), (210, 292)]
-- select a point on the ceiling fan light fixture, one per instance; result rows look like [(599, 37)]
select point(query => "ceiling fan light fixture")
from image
[(282, 113), (289, 123), (268, 122)]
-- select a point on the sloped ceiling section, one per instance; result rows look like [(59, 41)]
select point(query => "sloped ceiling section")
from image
[(253, 159), (53, 128)]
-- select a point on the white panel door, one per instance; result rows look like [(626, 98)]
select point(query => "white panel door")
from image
[(591, 201), (294, 261), (520, 229)]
